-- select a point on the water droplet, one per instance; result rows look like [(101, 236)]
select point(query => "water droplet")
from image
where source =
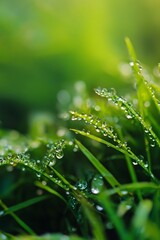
[(124, 192), (97, 184), (146, 165), (52, 163), (99, 208), (129, 116), (147, 104), (59, 154), (135, 163), (152, 144), (75, 149), (109, 225), (1, 213), (82, 184), (38, 175), (3, 237), (131, 64), (44, 183)]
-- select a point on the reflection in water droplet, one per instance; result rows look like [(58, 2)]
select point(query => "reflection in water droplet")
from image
[(97, 184), (82, 184), (59, 155), (128, 116), (99, 208), (135, 163)]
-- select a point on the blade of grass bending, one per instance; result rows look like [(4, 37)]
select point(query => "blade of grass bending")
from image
[(94, 219), (130, 153), (130, 168), (133, 187), (140, 79), (50, 190), (141, 216), (104, 200), (18, 220), (63, 179), (104, 172), (25, 204)]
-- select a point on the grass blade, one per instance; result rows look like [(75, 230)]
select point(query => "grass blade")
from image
[(116, 221), (24, 204), (50, 190), (104, 172), (125, 152), (18, 220)]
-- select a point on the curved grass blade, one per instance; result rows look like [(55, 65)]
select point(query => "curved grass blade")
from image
[(94, 219), (141, 82), (133, 187), (103, 171), (140, 218), (50, 190), (128, 153), (23, 205), (18, 220), (104, 200)]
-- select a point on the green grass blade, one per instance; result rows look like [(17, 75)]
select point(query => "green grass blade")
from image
[(18, 220), (125, 152), (141, 216), (104, 172), (104, 200), (94, 219), (50, 190), (23, 205), (133, 187), (131, 49)]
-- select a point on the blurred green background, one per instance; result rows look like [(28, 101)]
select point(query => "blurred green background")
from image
[(47, 45)]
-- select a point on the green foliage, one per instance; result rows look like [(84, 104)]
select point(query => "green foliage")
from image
[(100, 182)]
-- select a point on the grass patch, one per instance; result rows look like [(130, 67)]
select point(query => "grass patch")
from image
[(101, 181)]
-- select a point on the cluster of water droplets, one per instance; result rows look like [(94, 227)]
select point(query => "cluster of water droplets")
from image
[(130, 112), (111, 96), (100, 126), (54, 151)]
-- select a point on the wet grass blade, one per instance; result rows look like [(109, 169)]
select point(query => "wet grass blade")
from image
[(133, 187), (50, 190), (104, 172), (125, 152), (118, 223), (140, 218), (23, 205), (94, 219)]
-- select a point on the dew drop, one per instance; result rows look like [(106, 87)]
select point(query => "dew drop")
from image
[(124, 192), (52, 163), (59, 154), (135, 163), (82, 184), (3, 237), (109, 225), (1, 213), (97, 184), (99, 208), (152, 144), (129, 116), (38, 175)]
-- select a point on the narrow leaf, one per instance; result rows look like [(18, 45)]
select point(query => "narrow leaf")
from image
[(104, 172)]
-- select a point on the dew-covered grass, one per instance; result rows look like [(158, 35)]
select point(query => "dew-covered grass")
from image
[(95, 176)]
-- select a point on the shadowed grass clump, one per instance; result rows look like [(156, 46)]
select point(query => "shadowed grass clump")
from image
[(100, 182)]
